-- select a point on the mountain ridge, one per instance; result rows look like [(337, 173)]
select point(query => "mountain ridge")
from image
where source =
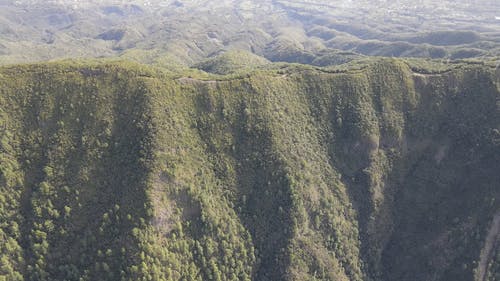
[(287, 172)]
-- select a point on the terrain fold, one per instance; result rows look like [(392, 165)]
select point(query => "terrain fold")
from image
[(118, 171)]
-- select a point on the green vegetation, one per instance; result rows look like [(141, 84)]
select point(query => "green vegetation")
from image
[(249, 140), (231, 62), (386, 170)]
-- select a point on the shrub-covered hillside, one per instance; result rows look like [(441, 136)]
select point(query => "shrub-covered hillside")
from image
[(114, 171)]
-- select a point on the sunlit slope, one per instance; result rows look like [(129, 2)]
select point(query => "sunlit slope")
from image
[(115, 171)]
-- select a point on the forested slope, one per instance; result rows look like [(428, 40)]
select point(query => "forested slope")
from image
[(116, 171)]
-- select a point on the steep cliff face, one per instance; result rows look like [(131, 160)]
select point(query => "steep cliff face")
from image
[(114, 171)]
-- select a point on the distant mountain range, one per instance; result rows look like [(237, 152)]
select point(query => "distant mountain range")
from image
[(186, 32)]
